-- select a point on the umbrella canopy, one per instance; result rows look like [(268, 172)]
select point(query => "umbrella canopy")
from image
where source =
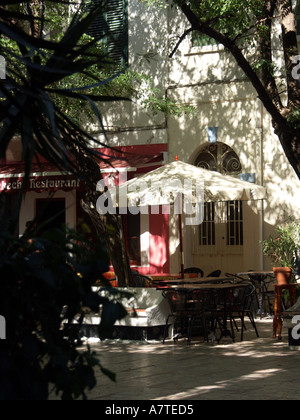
[(187, 187), (162, 186)]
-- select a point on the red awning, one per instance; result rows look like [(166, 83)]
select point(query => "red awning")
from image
[(46, 177), (135, 157), (43, 177)]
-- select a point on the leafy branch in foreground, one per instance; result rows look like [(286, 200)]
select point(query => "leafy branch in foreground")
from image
[(27, 108), (46, 283)]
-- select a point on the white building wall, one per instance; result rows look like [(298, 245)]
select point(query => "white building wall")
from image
[(209, 79), (129, 123)]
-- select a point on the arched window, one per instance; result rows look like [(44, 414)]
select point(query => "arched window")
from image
[(220, 158)]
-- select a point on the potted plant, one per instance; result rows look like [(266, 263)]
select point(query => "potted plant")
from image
[(283, 249)]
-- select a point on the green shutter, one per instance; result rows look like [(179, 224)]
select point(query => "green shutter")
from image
[(112, 28), (117, 20)]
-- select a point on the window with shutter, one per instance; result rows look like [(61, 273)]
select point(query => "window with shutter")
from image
[(112, 29)]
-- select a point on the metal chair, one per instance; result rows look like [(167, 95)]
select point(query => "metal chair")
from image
[(241, 306), (177, 303), (266, 294), (220, 314), (194, 270), (215, 273), (140, 281), (201, 304), (186, 308)]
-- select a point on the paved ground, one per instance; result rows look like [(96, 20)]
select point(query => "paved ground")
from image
[(255, 369)]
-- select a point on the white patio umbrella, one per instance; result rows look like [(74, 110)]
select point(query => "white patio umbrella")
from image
[(179, 182)]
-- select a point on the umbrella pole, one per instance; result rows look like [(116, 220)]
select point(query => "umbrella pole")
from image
[(181, 246)]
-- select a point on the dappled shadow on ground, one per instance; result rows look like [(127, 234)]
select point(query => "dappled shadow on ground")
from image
[(260, 368)]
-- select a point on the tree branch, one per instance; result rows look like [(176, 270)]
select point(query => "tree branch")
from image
[(265, 49), (290, 46), (181, 39), (241, 60), (188, 31)]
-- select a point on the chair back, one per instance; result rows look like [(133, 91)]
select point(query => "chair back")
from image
[(243, 296), (201, 300), (194, 270), (215, 273), (139, 280), (177, 300)]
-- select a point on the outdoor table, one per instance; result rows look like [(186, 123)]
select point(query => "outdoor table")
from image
[(202, 286), (277, 321), (260, 276), (223, 288), (163, 277), (202, 280)]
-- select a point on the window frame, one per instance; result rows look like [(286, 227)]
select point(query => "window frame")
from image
[(223, 218), (234, 223)]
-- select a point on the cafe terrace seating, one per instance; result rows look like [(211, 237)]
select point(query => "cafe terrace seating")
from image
[(218, 306), (186, 308)]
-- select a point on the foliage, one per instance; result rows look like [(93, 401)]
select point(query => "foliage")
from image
[(294, 118), (46, 282), (227, 15), (154, 100), (284, 248), (36, 75), (261, 36), (54, 82)]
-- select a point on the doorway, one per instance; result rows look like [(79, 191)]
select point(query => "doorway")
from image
[(219, 241), (132, 234), (50, 214), (221, 235)]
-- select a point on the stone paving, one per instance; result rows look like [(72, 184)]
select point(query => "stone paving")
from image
[(255, 369), (258, 368)]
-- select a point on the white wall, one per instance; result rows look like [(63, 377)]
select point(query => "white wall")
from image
[(209, 79)]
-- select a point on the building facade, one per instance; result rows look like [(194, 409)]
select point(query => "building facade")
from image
[(230, 132)]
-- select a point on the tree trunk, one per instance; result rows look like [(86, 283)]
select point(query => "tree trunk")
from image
[(290, 141), (110, 228)]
